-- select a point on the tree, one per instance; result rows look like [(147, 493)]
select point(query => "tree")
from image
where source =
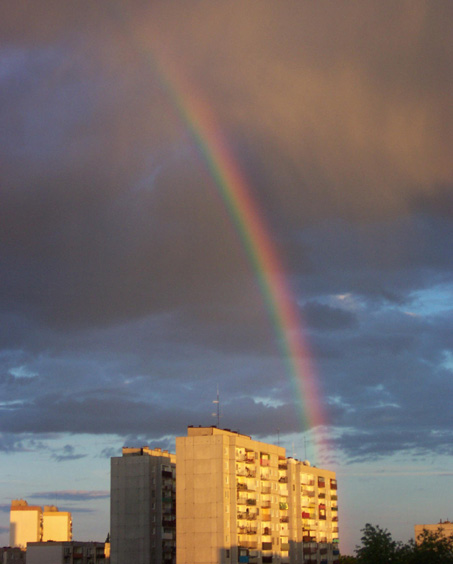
[(432, 548), (378, 547), (345, 559)]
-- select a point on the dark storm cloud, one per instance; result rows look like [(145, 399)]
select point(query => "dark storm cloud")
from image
[(126, 295), (320, 316)]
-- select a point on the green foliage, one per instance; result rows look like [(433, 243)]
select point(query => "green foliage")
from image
[(348, 559), (432, 548), (378, 547)]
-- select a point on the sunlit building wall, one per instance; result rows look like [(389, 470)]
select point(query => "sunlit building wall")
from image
[(444, 527), (229, 499), (142, 514), (25, 523), (312, 514), (56, 525), (240, 500)]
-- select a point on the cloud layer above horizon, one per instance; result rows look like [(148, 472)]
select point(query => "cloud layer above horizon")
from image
[(126, 296)]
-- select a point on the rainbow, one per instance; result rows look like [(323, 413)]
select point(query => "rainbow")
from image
[(254, 236)]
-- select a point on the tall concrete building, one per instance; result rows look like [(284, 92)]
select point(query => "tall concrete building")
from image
[(312, 513), (239, 500), (142, 511)]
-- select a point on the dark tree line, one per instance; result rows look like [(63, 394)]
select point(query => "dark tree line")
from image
[(378, 547)]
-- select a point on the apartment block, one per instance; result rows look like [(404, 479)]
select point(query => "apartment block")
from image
[(56, 525), (66, 553), (240, 500), (312, 513), (29, 523), (25, 523), (143, 513), (12, 555)]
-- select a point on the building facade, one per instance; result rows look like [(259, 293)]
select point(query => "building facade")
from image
[(240, 500), (142, 511), (56, 525), (29, 523), (445, 528), (72, 552), (25, 523), (12, 555)]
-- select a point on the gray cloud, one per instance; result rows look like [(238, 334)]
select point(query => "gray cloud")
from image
[(126, 292), (71, 495)]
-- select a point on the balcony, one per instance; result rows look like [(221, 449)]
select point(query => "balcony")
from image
[(283, 505), (265, 503), (241, 486), (334, 508), (247, 531), (284, 519), (265, 462), (284, 546), (251, 501), (283, 480), (265, 490), (248, 544)]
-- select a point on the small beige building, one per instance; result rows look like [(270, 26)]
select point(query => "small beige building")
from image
[(56, 525), (25, 523), (444, 526), (29, 523)]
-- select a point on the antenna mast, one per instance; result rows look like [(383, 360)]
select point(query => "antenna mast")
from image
[(217, 401)]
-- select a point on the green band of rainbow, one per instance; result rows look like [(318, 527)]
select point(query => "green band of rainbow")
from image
[(251, 228)]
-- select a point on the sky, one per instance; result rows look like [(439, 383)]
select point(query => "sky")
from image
[(133, 284)]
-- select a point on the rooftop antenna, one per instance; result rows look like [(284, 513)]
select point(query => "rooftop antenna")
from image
[(217, 401)]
